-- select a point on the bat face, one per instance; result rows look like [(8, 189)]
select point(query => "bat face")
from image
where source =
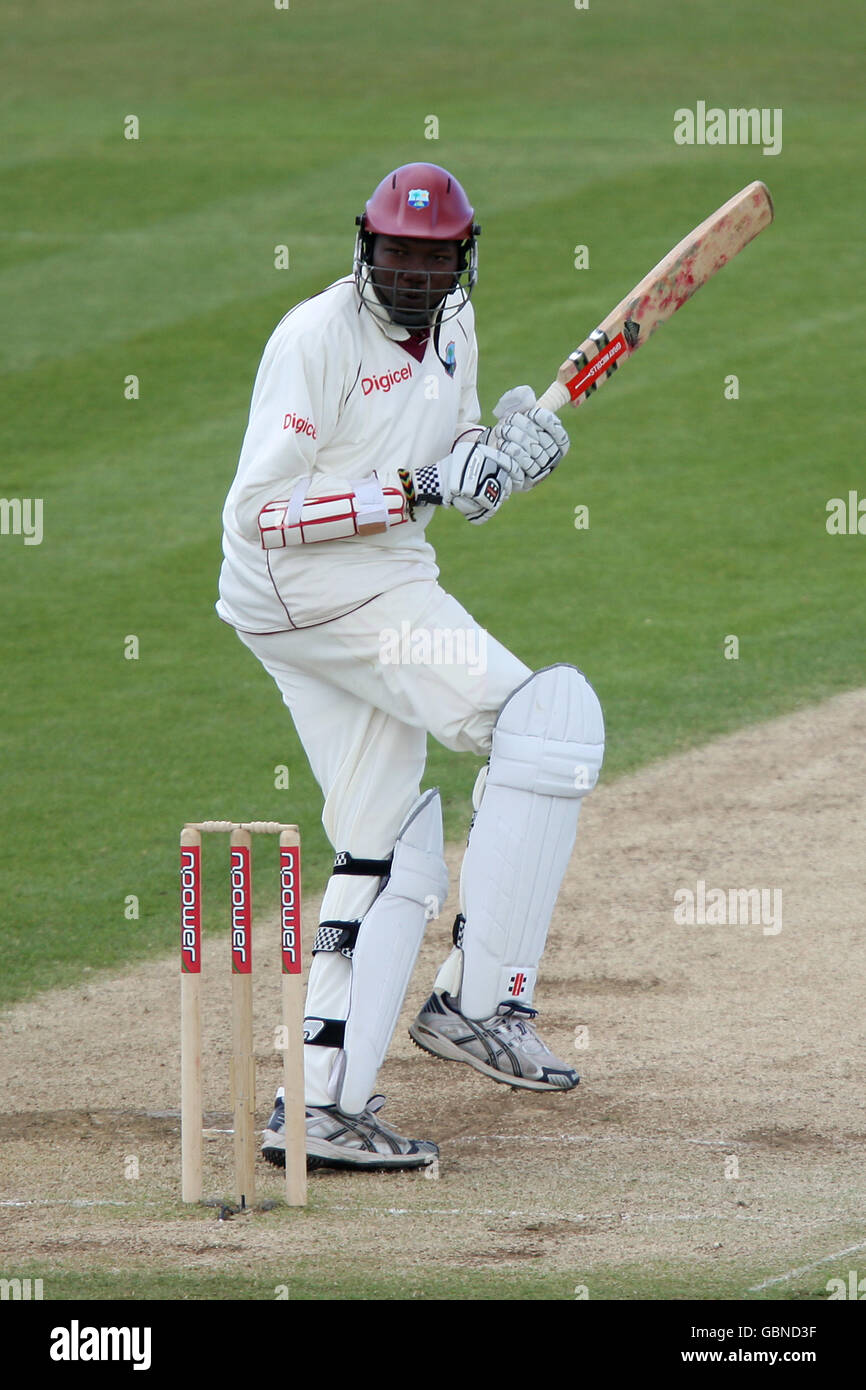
[(690, 264)]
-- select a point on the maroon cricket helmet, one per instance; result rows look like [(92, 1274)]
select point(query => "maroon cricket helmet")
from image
[(423, 201), (420, 200)]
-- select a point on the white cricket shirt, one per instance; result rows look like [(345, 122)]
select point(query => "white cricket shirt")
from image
[(337, 398)]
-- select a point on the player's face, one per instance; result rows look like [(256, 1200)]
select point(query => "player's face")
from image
[(412, 277)]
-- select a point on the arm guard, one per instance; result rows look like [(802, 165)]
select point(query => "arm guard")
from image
[(364, 509)]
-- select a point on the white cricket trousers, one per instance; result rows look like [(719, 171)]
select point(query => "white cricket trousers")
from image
[(364, 691)]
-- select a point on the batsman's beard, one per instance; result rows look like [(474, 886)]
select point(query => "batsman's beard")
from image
[(412, 307), (413, 320)]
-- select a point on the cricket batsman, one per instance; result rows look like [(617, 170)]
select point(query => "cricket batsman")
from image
[(365, 419)]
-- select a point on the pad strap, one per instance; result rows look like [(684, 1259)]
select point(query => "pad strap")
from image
[(324, 1032), (346, 863), (337, 936)]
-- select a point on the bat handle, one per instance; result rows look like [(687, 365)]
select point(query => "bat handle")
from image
[(555, 397)]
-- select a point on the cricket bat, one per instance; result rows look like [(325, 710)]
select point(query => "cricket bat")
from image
[(660, 293)]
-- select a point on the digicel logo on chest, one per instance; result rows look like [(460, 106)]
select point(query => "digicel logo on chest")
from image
[(386, 381)]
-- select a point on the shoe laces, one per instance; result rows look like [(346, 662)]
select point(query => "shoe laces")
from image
[(370, 1116), (511, 1006), (515, 1022)]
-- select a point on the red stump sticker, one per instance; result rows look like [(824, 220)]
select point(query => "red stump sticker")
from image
[(290, 904), (242, 910), (190, 910)]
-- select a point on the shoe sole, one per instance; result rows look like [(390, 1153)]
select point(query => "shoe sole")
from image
[(445, 1051), (322, 1154), (274, 1149), (326, 1156)]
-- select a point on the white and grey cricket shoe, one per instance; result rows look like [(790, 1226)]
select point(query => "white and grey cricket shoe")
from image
[(505, 1047), (335, 1140)]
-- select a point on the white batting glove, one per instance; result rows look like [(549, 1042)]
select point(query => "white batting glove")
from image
[(533, 438), (474, 479)]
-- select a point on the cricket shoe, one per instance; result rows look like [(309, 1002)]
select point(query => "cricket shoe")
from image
[(274, 1137), (505, 1047), (335, 1140)]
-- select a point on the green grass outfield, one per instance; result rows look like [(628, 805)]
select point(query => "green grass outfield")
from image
[(155, 258), (636, 1282)]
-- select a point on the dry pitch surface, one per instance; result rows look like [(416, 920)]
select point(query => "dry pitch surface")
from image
[(712, 1050)]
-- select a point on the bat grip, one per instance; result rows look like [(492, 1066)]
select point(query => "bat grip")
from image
[(555, 397)]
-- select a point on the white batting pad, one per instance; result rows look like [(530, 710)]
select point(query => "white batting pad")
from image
[(389, 938), (548, 746)]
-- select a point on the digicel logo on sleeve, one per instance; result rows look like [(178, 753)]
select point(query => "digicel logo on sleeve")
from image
[(299, 425), (386, 381)]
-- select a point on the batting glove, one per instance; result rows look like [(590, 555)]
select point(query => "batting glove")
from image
[(474, 479), (533, 438)]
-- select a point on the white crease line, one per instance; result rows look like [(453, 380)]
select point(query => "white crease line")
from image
[(620, 1216), (795, 1273), (66, 1202), (721, 1143), (593, 1139)]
